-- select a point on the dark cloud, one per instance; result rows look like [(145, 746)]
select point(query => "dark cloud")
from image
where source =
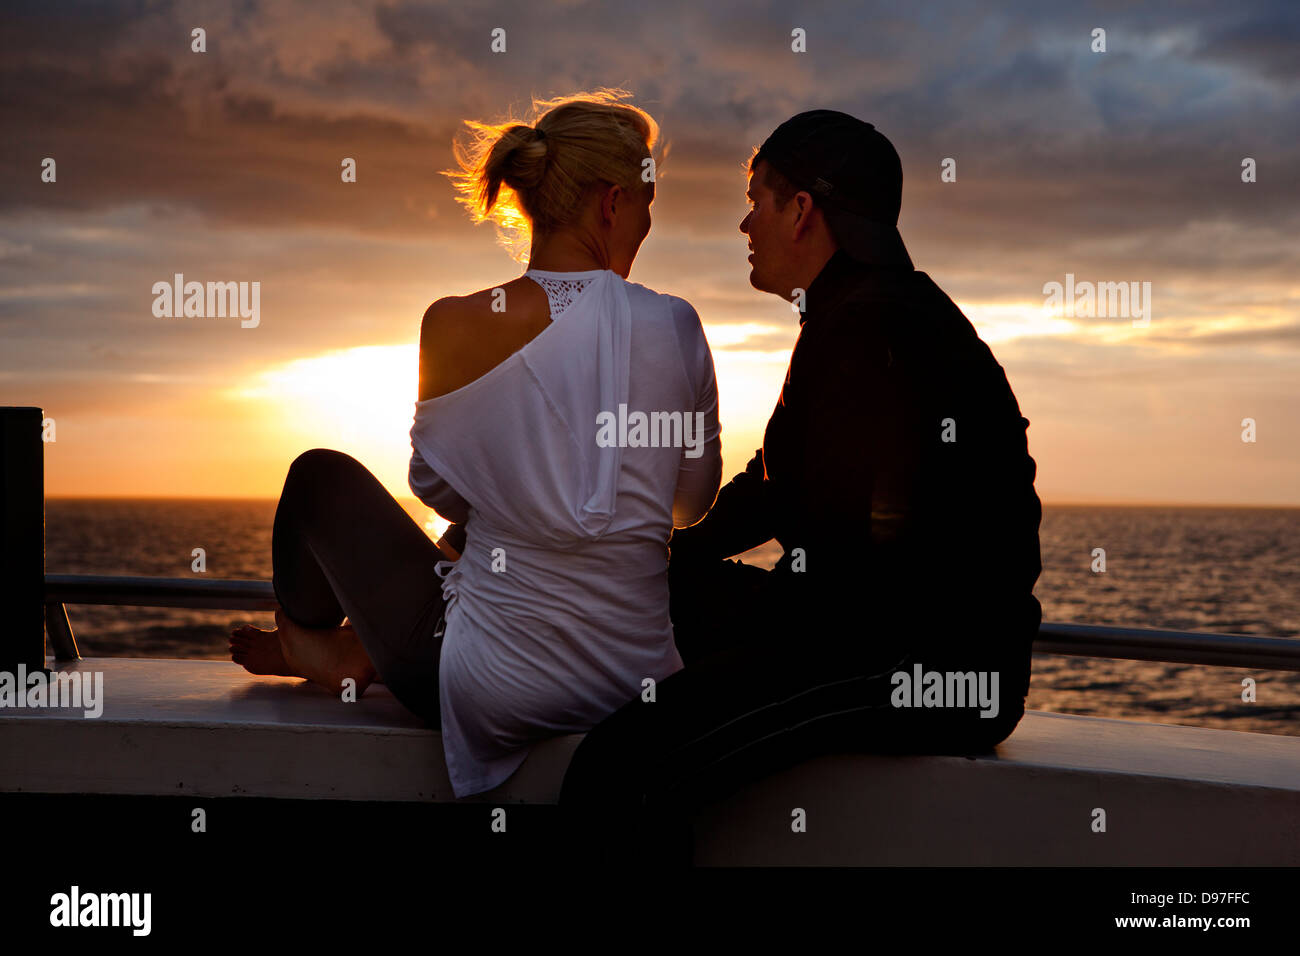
[(252, 131), (1116, 166), (1266, 45)]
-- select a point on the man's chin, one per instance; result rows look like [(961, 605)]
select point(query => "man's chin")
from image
[(761, 284)]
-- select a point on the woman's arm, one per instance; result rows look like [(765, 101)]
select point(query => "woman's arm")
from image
[(425, 483), (433, 490), (700, 471)]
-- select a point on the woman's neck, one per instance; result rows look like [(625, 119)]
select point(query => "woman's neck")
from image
[(566, 251)]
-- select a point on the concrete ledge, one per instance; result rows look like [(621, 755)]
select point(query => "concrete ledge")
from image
[(1172, 795), (210, 729)]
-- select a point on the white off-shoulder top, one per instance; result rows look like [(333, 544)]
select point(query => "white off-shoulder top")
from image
[(569, 464)]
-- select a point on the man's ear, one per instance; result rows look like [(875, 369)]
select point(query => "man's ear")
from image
[(803, 214)]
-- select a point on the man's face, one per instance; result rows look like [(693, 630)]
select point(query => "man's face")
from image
[(769, 235)]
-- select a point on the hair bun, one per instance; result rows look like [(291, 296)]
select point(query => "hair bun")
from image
[(589, 139)]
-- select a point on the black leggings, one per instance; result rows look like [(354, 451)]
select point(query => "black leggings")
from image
[(342, 545), (754, 697)]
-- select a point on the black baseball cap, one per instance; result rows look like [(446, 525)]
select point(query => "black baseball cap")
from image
[(854, 175)]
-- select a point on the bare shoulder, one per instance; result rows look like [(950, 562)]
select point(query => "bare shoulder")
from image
[(456, 315), (444, 317), (464, 336)]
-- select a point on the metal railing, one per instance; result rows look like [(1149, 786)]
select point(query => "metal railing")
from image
[(1080, 640), (222, 595), (1173, 647), (25, 589), (62, 589)]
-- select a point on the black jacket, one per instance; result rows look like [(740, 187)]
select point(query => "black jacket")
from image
[(907, 539)]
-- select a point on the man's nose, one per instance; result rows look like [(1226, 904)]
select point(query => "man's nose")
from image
[(744, 223)]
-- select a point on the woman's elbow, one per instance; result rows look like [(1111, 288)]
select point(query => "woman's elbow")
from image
[(684, 519), (693, 510)]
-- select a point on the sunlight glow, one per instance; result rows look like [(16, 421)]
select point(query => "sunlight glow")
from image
[(1001, 321), (360, 401), (354, 394), (725, 335)]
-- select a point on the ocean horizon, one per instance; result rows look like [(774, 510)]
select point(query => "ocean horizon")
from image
[(1213, 568)]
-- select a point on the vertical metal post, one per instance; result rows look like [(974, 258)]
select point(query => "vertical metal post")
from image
[(22, 539), (58, 633)]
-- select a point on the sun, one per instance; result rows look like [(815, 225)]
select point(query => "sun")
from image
[(359, 400), (357, 394)]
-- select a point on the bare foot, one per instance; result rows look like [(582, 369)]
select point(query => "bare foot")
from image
[(259, 652), (326, 657)]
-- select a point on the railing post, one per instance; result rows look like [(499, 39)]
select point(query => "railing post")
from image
[(58, 633), (22, 539)]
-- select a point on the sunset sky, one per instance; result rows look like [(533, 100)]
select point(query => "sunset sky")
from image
[(1123, 166)]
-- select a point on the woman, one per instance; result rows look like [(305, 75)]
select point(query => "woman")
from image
[(556, 611)]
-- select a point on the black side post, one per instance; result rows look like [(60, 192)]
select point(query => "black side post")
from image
[(22, 539)]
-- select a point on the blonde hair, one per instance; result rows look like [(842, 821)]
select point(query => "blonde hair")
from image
[(530, 176)]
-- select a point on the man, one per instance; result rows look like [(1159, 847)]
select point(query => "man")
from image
[(894, 473)]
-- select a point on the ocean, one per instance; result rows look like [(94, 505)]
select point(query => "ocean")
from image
[(1232, 570)]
